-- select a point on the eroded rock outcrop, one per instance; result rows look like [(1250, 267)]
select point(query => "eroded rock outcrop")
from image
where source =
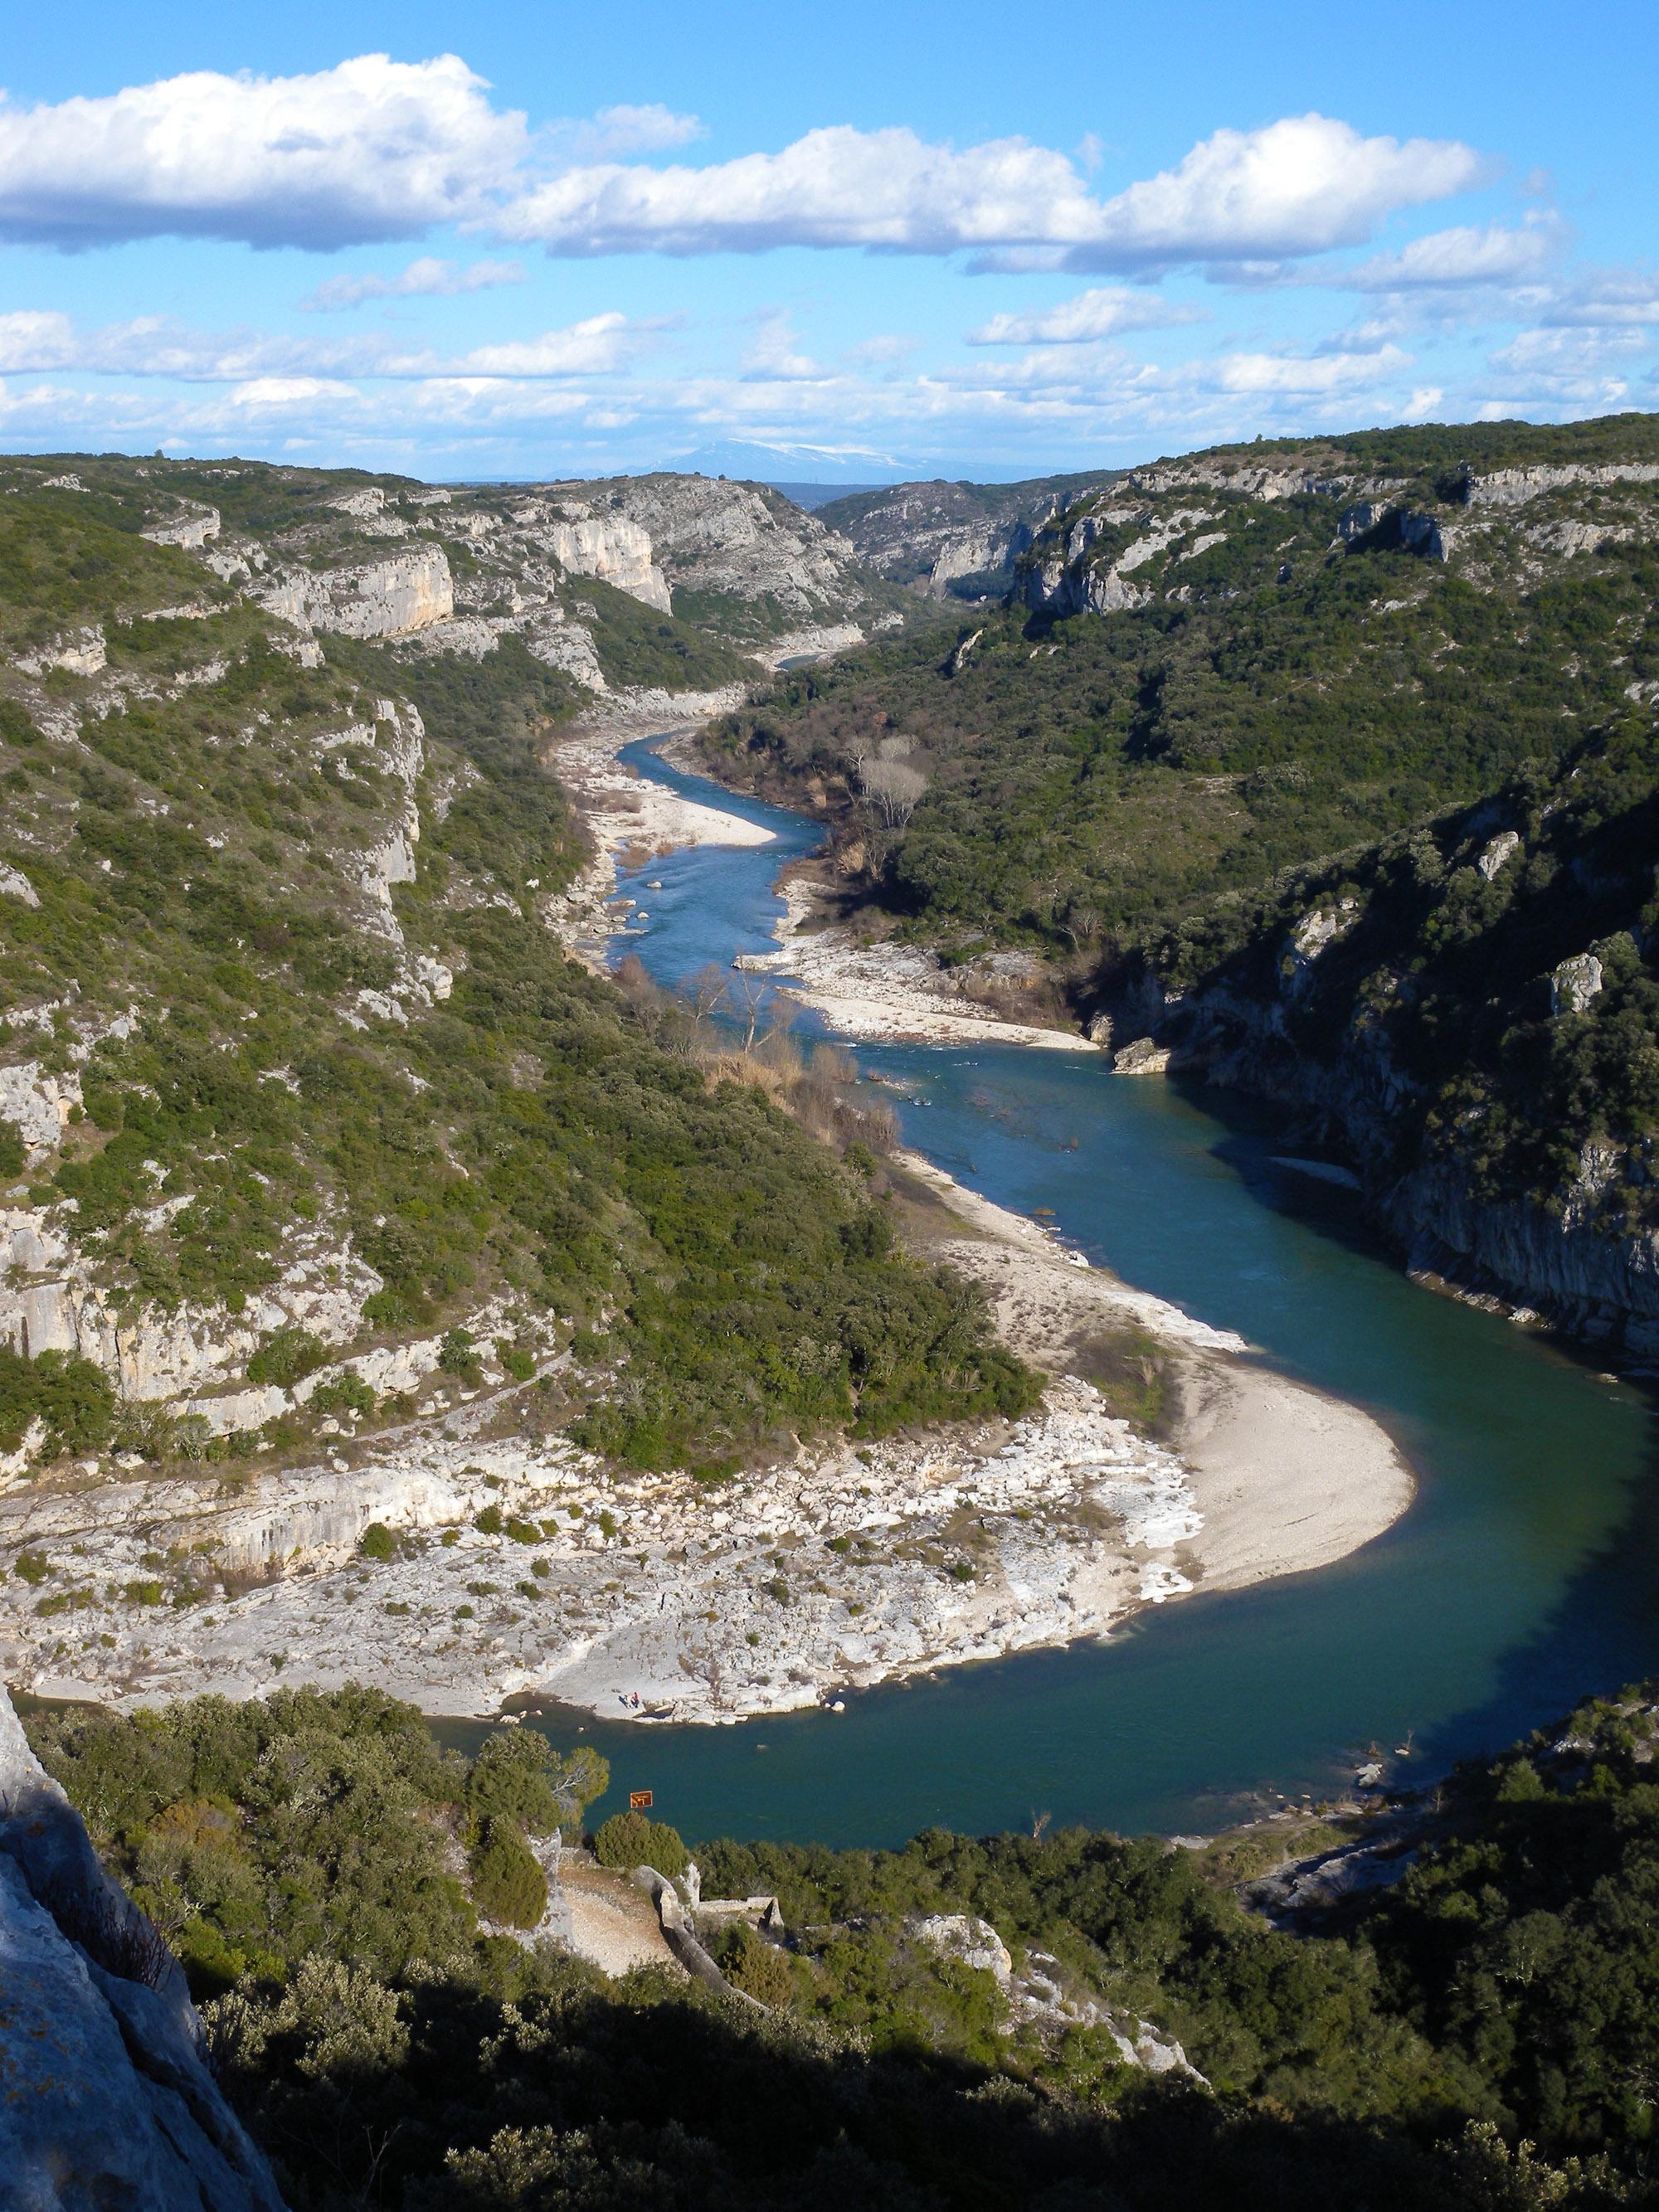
[(106, 2100), (378, 598)]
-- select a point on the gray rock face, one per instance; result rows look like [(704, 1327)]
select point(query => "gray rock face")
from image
[(1575, 983), (381, 598), (974, 1942), (107, 2103), (737, 539), (1514, 487), (1501, 847), (930, 536)]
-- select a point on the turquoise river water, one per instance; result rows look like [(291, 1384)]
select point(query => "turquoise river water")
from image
[(1526, 1573)]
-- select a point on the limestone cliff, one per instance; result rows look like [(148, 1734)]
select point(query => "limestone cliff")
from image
[(377, 598), (106, 2096), (1465, 1008), (953, 540), (741, 544)]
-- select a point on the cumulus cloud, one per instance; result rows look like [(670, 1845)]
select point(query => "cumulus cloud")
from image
[(615, 131), (372, 148), (1584, 367), (427, 279), (151, 346), (1304, 184), (1603, 299), (1300, 375), (1301, 186), (1472, 254), (378, 149), (588, 348), (1101, 312)]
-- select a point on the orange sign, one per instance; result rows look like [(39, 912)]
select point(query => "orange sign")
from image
[(640, 1800)]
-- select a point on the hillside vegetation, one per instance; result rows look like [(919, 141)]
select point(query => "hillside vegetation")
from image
[(1480, 2032), (1301, 680), (1230, 756), (292, 1064)]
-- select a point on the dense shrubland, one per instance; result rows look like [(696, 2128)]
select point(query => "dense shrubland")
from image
[(1306, 717), (319, 1866), (1281, 695), (537, 1136), (1442, 974)]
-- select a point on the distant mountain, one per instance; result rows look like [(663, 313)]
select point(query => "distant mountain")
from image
[(813, 496), (754, 462)]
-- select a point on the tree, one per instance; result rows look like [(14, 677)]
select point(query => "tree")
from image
[(893, 787)]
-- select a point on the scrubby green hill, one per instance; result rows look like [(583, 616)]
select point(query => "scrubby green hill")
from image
[(1227, 759), (1477, 2028), (292, 1063), (1225, 666)]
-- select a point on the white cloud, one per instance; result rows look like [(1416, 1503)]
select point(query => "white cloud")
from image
[(372, 148), (378, 149), (1472, 254), (775, 352), (1301, 376), (589, 348), (1301, 186), (427, 278), (149, 346), (615, 131), (1582, 368), (1604, 299), (1101, 312), (1304, 184)]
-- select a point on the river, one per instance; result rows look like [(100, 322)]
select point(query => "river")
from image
[(1525, 1575)]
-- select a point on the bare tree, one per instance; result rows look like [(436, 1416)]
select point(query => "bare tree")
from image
[(893, 788), (748, 996), (707, 990)]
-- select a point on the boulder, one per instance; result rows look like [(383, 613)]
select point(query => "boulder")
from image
[(1575, 983), (1501, 848), (1141, 1057), (971, 1942)]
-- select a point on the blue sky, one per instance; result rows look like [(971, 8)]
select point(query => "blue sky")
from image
[(874, 242)]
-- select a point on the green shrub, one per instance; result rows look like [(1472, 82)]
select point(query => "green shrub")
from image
[(12, 1152), (456, 1355), (142, 1593), (519, 1777), (632, 1840), (508, 1886), (491, 1521), (759, 1969), (347, 1394), (516, 1361), (69, 1396), (287, 1358), (31, 1567), (377, 1542), (524, 1532)]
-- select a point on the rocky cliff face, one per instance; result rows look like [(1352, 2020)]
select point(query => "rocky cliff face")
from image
[(953, 540), (106, 2096), (1570, 1261), (743, 545), (1468, 1009), (1105, 551), (378, 598)]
